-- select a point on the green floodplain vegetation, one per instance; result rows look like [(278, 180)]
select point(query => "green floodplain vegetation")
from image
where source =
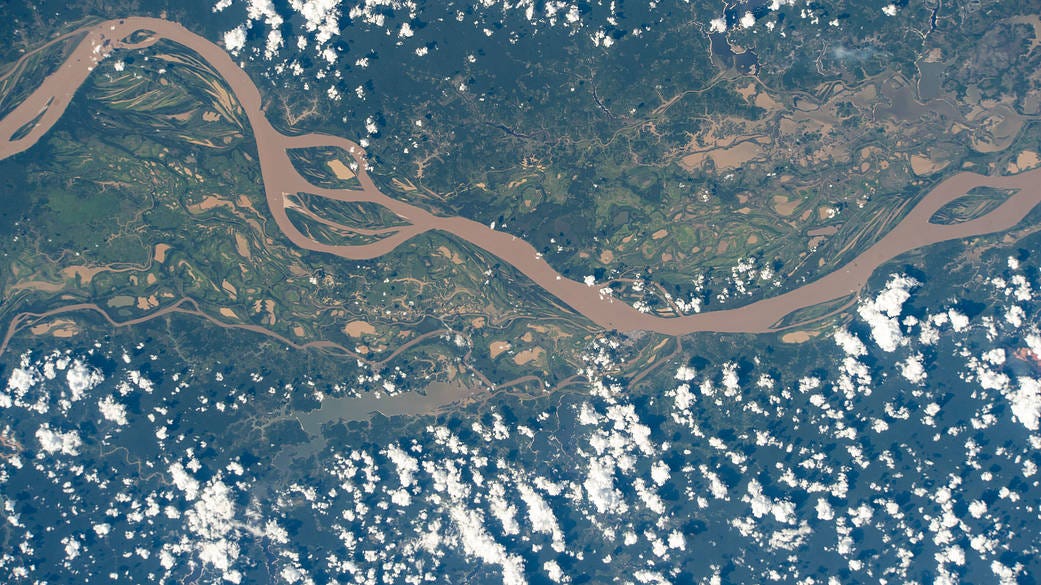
[(147, 192), (695, 165)]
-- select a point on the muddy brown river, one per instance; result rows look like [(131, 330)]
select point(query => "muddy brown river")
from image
[(39, 112)]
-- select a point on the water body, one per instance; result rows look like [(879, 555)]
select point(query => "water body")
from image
[(930, 82), (437, 396), (44, 107)]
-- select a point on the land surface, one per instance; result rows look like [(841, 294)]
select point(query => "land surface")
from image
[(35, 116)]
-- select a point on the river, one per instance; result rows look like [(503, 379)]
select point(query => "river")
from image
[(45, 106)]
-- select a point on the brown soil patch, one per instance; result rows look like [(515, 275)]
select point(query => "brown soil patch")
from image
[(230, 314), (748, 91), (210, 116), (659, 234), (146, 303), (359, 328), (478, 323), (160, 252), (724, 158), (763, 100), (453, 256), (62, 328), (497, 347), (606, 257), (1031, 20), (799, 336), (784, 206), (267, 307), (824, 231), (210, 202), (230, 289), (924, 166), (84, 273), (528, 356), (825, 212), (403, 184), (244, 202), (1026, 160), (242, 246), (342, 171)]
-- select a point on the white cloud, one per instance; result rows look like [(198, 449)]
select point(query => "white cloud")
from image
[(685, 373), (112, 410), (882, 313), (1026, 402), (235, 39), (977, 508), (321, 16), (72, 547), (912, 369), (959, 322), (51, 441), (553, 571), (762, 505), (541, 516), (184, 481), (660, 473), (503, 511), (21, 380), (406, 465), (478, 543), (274, 43), (850, 343), (600, 490)]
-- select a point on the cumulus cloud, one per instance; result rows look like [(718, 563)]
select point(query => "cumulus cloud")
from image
[(81, 379), (541, 516), (850, 343), (1026, 402), (406, 465), (320, 16), (883, 312), (112, 410), (600, 490), (478, 543), (235, 40), (52, 441), (912, 369)]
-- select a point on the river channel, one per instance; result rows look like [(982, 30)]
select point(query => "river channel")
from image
[(26, 124)]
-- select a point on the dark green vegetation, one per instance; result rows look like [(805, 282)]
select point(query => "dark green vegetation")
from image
[(146, 198), (645, 164), (977, 203), (325, 167), (589, 152)]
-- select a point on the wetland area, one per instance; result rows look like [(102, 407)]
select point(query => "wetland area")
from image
[(28, 122)]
